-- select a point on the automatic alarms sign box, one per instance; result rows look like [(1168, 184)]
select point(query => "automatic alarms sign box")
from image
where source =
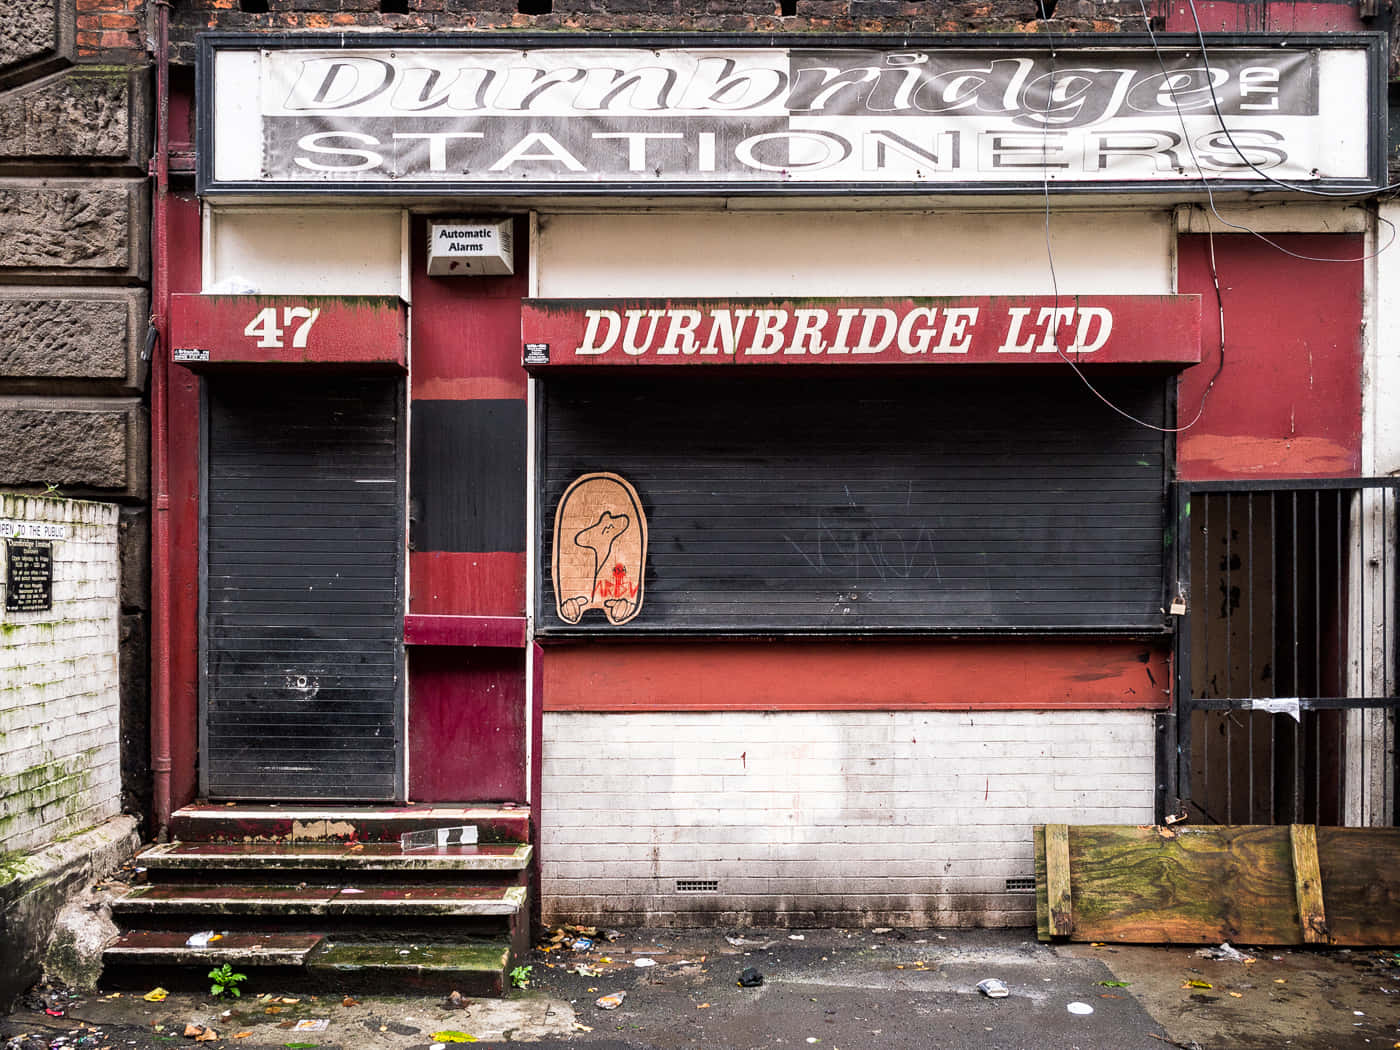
[(411, 116)]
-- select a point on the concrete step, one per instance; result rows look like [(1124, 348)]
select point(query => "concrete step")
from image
[(248, 822), (313, 962), (340, 857), (476, 968), (335, 901), (169, 948)]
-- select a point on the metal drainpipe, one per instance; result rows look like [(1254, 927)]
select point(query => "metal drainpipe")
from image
[(160, 393)]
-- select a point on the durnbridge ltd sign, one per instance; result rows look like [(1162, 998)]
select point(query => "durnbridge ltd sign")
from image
[(858, 114), (1010, 330)]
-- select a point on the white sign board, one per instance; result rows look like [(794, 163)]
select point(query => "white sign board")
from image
[(470, 247), (856, 118), (11, 529)]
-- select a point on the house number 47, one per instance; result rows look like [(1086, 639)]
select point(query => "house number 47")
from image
[(265, 329)]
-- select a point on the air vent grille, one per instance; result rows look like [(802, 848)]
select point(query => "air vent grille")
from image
[(697, 885)]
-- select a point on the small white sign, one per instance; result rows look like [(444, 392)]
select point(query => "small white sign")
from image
[(32, 530), (470, 248)]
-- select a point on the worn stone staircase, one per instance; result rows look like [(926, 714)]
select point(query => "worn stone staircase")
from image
[(326, 898)]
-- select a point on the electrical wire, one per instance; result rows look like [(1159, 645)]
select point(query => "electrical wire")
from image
[(1220, 117), (1215, 104), (1055, 281)]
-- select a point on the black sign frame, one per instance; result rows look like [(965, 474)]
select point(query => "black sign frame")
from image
[(1374, 44), (33, 592)]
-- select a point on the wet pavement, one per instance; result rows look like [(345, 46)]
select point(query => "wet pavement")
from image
[(824, 988)]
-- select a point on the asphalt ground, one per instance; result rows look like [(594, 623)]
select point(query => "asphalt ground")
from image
[(822, 988)]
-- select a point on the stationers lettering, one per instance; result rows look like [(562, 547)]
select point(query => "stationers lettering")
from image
[(789, 115)]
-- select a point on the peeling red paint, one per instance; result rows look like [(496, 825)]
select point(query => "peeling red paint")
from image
[(1288, 400)]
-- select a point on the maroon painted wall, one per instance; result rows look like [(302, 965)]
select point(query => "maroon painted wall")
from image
[(466, 704), (1288, 400)]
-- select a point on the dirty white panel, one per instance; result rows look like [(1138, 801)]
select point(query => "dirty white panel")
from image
[(596, 255), (849, 818), (305, 251), (1381, 422)]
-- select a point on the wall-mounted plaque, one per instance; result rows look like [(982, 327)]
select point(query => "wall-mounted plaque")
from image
[(28, 575)]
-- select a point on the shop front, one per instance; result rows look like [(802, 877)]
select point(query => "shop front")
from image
[(752, 463)]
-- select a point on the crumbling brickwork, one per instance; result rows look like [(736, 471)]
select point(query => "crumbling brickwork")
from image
[(669, 16), (111, 29)]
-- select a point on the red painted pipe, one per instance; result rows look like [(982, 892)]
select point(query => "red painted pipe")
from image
[(160, 429)]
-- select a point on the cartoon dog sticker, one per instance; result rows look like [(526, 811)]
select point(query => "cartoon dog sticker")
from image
[(600, 549)]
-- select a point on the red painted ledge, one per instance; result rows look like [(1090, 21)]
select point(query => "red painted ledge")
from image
[(894, 675), (500, 632)]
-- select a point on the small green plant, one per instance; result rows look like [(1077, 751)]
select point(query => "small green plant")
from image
[(520, 977), (225, 980)]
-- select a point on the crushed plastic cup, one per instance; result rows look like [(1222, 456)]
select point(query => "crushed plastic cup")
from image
[(611, 1001)]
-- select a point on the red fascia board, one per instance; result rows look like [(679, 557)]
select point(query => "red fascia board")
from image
[(969, 330), (825, 675), (321, 330), (501, 632)]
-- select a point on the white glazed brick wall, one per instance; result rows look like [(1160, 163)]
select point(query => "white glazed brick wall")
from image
[(59, 764), (845, 818)]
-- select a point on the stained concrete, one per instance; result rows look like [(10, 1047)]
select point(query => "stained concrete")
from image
[(35, 887), (830, 989)]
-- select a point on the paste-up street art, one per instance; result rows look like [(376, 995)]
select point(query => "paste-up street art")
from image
[(600, 549)]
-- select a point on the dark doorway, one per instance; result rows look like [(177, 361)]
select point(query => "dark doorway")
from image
[(303, 501)]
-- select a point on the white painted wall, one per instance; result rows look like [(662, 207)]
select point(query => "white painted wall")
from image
[(59, 763), (305, 251), (1380, 406), (607, 255), (845, 818)]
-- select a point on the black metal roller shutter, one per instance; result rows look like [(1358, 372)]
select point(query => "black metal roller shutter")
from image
[(918, 503), (303, 597)]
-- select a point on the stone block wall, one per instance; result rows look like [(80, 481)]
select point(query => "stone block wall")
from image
[(59, 700), (851, 818), (75, 134)]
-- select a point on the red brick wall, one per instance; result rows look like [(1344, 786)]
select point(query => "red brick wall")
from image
[(760, 16), (731, 16), (111, 30)]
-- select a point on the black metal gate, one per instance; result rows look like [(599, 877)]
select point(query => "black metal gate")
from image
[(1286, 677), (303, 505)]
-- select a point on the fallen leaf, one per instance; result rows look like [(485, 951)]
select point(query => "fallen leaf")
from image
[(1236, 995), (273, 1010), (451, 1036), (193, 1029), (1197, 984), (289, 1001), (702, 1006), (241, 1035), (1279, 980), (1115, 984), (156, 995), (206, 1036)]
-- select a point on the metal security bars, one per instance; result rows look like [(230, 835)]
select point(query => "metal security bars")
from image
[(1286, 673)]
